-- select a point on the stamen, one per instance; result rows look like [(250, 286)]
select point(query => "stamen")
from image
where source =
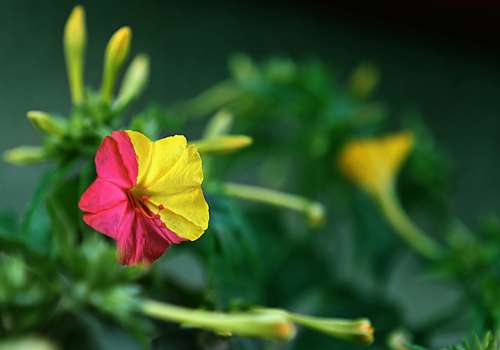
[(140, 206)]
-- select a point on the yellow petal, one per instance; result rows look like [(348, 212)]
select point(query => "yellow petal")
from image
[(143, 148), (374, 163), (170, 173), (182, 171), (189, 204)]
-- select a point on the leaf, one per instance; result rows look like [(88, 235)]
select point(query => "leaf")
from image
[(35, 226)]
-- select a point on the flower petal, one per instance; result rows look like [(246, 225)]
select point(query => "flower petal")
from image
[(158, 158), (139, 241), (127, 153), (182, 226), (189, 204), (109, 221), (143, 148), (101, 195), (110, 164), (185, 174)]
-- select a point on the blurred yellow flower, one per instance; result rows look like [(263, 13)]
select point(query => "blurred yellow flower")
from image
[(374, 163)]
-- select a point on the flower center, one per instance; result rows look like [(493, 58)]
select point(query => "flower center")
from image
[(140, 203)]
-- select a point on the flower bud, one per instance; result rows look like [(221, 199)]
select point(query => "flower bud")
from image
[(25, 155), (399, 339), (116, 54), (316, 214), (272, 324), (220, 124), (134, 82), (46, 123), (28, 342), (223, 144), (75, 38), (357, 330)]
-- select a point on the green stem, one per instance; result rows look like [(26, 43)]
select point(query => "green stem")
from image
[(313, 210), (262, 325), (403, 225)]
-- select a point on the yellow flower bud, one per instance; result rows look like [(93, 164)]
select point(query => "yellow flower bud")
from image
[(373, 164), (75, 38), (25, 155), (223, 144), (116, 54), (46, 123), (134, 82)]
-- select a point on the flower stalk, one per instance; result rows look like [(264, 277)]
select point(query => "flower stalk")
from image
[(314, 211), (261, 325), (404, 226)]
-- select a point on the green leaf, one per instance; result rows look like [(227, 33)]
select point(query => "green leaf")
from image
[(35, 225)]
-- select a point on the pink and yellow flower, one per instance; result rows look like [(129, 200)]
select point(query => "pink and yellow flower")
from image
[(147, 195)]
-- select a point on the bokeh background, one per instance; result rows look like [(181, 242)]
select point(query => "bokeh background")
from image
[(441, 62)]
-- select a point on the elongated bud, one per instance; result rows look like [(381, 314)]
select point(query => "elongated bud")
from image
[(223, 144), (134, 82), (75, 38), (355, 330), (29, 342), (262, 325), (25, 155), (220, 124), (116, 54), (46, 123)]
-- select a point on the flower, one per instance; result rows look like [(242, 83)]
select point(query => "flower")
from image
[(374, 163), (147, 195)]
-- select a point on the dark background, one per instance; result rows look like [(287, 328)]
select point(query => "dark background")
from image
[(440, 61)]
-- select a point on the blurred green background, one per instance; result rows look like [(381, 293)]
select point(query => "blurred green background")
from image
[(451, 80)]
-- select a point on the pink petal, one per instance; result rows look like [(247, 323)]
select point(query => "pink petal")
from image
[(101, 195), (111, 166), (109, 221), (127, 152), (139, 240)]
